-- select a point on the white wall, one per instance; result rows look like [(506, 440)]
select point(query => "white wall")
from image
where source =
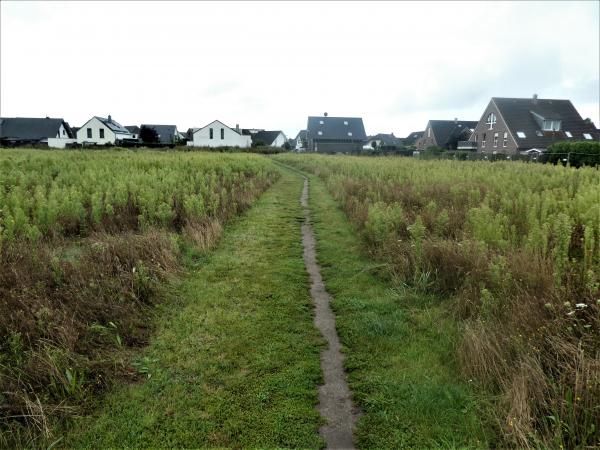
[(279, 140), (202, 138), (95, 125), (60, 142)]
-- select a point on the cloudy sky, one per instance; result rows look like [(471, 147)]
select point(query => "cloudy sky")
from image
[(272, 64)]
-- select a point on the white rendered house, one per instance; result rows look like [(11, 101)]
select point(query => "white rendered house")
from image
[(217, 134), (100, 131)]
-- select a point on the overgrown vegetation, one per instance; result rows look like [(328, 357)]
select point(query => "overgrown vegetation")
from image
[(516, 250), (86, 241), (576, 154)]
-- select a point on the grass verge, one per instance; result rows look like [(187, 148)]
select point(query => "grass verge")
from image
[(235, 361), (399, 347)]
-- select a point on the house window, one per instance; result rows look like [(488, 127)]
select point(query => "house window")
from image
[(521, 134), (587, 135), (101, 133), (551, 125), (345, 122), (320, 133), (491, 120), (495, 139), (483, 140), (210, 132), (568, 133), (349, 133), (89, 133), (428, 132), (505, 139), (222, 133), (63, 131), (321, 122)]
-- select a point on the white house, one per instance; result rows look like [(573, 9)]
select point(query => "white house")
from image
[(100, 131), (217, 134), (269, 138)]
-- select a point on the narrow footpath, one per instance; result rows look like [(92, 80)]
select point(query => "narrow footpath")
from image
[(335, 398)]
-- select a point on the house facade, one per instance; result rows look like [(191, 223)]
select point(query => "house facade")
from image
[(102, 131), (32, 131), (301, 141), (335, 134), (515, 125), (217, 134), (445, 134)]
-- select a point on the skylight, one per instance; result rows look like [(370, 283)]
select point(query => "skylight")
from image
[(349, 133), (345, 122), (587, 135), (320, 133), (568, 133), (521, 134), (321, 122), (539, 133)]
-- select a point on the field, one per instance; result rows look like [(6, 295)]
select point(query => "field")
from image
[(160, 299), (514, 252)]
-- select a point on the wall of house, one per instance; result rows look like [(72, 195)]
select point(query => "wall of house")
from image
[(202, 138), (335, 146), (279, 140), (95, 125), (60, 142), (427, 140), (499, 127)]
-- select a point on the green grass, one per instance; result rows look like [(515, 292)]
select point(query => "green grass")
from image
[(399, 348), (235, 361)]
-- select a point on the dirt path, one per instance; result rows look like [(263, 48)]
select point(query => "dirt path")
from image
[(335, 398)]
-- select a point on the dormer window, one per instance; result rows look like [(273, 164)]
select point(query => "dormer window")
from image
[(551, 125), (491, 120)]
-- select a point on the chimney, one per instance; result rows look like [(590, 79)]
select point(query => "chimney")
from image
[(109, 118), (325, 114), (534, 99), (237, 127), (455, 120)]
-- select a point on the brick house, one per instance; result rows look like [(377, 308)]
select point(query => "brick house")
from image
[(445, 133)]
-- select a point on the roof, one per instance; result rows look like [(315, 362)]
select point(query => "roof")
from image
[(518, 114), (30, 128), (133, 129), (412, 137), (388, 139), (301, 134), (214, 121), (336, 128), (112, 124), (166, 133), (447, 131), (266, 136)]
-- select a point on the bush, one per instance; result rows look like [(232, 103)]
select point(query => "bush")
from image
[(580, 153)]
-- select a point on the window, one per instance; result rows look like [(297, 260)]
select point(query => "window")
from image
[(222, 133), (495, 139), (89, 133), (64, 132), (568, 133), (321, 122), (521, 134), (475, 138), (210, 132), (101, 133), (345, 122), (505, 139), (428, 132), (320, 133), (587, 135), (483, 140), (551, 125), (491, 120), (349, 133)]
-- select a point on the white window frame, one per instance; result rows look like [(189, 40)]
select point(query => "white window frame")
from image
[(505, 139), (491, 120), (496, 139), (483, 139)]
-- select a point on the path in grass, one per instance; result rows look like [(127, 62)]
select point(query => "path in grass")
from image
[(236, 362), (399, 348), (335, 398)]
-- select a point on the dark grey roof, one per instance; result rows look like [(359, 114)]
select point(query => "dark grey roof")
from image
[(301, 135), (518, 116), (133, 129), (166, 133), (112, 124), (387, 139), (31, 129), (265, 136), (447, 132), (412, 137), (336, 128)]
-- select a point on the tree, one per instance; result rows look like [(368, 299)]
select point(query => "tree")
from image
[(149, 135)]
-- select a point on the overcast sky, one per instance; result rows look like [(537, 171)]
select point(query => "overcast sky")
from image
[(270, 65)]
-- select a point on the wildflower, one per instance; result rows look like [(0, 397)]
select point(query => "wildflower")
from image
[(133, 270), (570, 313), (580, 305)]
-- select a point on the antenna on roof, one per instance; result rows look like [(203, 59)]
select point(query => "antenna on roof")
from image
[(325, 114)]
